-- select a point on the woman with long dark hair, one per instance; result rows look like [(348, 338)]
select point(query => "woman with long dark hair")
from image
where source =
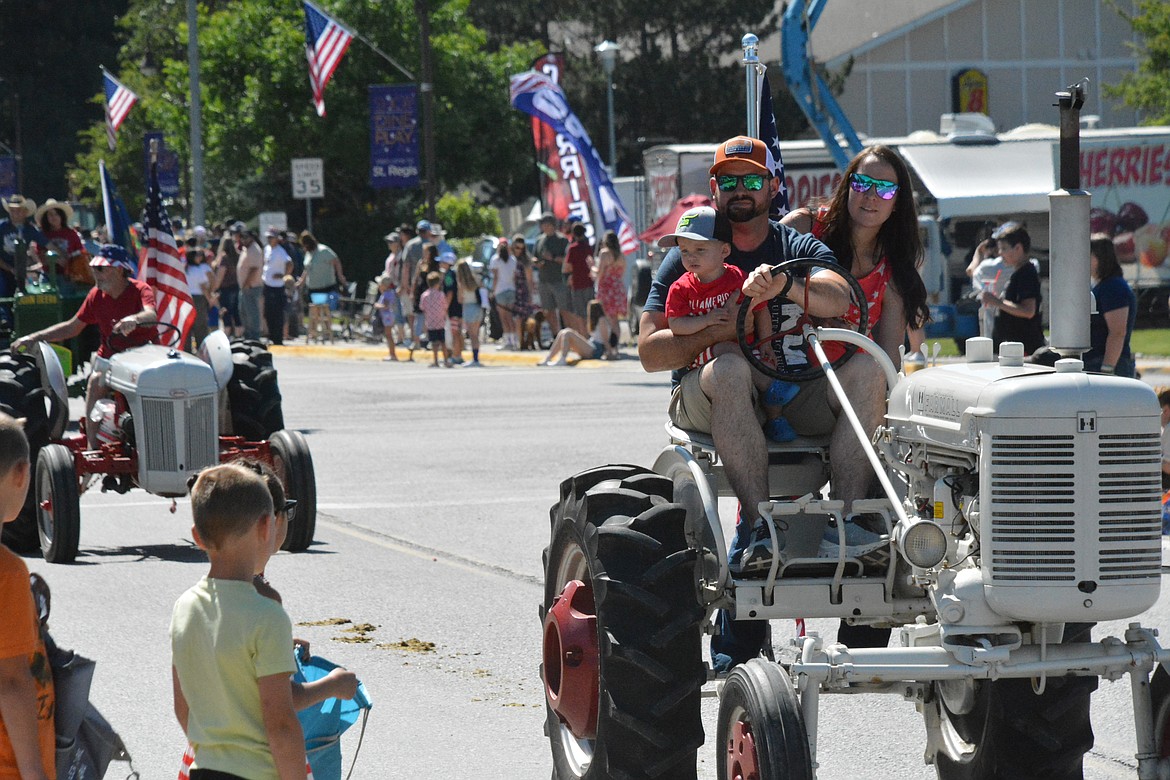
[(871, 224), (1112, 324)]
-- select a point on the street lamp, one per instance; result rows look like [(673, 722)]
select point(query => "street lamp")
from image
[(607, 51)]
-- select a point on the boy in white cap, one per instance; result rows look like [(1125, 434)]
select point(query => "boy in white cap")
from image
[(699, 299)]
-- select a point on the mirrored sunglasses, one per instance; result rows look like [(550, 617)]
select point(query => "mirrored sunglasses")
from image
[(290, 508), (753, 182), (886, 190)]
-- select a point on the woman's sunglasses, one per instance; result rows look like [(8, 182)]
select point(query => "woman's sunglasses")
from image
[(886, 190), (753, 182)]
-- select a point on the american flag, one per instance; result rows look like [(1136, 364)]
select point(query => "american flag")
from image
[(771, 137), (325, 45), (162, 267), (119, 101)]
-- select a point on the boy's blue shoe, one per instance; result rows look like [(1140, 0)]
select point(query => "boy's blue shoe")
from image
[(779, 430), (780, 393)]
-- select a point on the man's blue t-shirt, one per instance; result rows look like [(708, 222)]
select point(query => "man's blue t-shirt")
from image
[(9, 233), (783, 243), (1110, 294)]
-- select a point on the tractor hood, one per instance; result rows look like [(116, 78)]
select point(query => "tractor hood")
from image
[(944, 404), (155, 371)]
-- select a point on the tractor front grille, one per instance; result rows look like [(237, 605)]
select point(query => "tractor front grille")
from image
[(1072, 507), (161, 446)]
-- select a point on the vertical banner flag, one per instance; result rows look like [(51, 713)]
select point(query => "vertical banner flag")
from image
[(7, 176), (168, 164), (325, 45), (117, 220), (162, 268), (119, 101), (536, 94), (394, 136), (565, 187), (770, 135)]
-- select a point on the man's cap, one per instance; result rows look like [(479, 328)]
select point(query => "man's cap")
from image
[(1004, 228), (422, 225), (701, 223), (274, 232), (390, 237), (112, 255), (752, 151), (238, 227), (547, 216), (200, 230), (447, 257)]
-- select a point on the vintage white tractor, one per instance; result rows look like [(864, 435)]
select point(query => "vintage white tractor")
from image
[(1020, 506), (169, 414)]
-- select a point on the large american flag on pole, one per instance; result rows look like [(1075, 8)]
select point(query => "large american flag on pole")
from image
[(325, 45), (119, 101), (771, 137), (162, 268)]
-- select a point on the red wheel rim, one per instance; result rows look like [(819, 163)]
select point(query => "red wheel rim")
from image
[(572, 668), (742, 762)]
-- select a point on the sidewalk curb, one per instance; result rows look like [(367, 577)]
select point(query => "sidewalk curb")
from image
[(488, 356)]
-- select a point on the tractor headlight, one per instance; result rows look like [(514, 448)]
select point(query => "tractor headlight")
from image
[(923, 543)]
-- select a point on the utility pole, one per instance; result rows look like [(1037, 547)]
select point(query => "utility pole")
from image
[(196, 114), (427, 88)]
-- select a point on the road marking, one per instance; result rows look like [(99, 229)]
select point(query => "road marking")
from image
[(422, 552)]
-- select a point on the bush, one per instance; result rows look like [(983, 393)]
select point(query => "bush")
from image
[(462, 217)]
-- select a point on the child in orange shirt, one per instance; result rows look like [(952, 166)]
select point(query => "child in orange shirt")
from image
[(27, 740)]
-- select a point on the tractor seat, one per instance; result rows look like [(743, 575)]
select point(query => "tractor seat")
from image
[(818, 445)]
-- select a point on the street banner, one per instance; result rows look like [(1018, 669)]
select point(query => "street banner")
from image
[(536, 94), (562, 171), (393, 136), (7, 176), (168, 164)]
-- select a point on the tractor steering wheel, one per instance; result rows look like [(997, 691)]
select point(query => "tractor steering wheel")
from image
[(810, 369), (124, 337)]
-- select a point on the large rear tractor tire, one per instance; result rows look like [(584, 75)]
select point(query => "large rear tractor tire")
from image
[(622, 664), (22, 397), (294, 465), (761, 729), (253, 394), (58, 506), (1002, 729)]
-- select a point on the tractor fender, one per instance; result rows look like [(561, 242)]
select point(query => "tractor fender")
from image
[(692, 489), (55, 387), (216, 351)]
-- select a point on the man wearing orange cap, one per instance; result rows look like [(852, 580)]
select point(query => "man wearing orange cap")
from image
[(720, 397)]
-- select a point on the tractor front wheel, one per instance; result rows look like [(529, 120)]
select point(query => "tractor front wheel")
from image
[(294, 466), (622, 663), (761, 730), (58, 504)]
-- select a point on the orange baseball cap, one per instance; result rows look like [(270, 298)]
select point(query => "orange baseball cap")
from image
[(741, 149)]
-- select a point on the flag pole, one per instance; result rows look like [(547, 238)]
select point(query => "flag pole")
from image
[(369, 43)]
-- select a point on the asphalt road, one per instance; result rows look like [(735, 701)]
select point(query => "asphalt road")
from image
[(434, 491)]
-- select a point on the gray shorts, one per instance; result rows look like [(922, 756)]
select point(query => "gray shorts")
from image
[(579, 300), (808, 412), (554, 296), (506, 297)]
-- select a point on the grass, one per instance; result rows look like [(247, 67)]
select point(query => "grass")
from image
[(1148, 342)]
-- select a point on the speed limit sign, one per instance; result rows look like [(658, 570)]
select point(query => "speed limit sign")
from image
[(308, 178)]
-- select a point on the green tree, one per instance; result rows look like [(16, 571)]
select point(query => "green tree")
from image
[(1148, 90), (460, 215), (258, 112)]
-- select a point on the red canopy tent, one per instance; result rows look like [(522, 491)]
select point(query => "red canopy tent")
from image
[(669, 221)]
